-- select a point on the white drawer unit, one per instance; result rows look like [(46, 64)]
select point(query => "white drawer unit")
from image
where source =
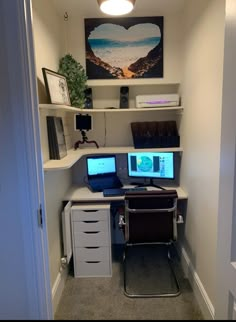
[(90, 226), (92, 269), (91, 239), (90, 212), (93, 253)]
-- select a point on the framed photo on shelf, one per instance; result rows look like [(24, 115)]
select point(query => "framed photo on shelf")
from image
[(56, 87)]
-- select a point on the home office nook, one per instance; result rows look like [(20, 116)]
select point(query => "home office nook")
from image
[(146, 146), (177, 114), (138, 144)]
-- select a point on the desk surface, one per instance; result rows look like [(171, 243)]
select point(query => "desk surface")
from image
[(83, 194)]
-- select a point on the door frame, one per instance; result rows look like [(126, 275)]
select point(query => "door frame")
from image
[(19, 105), (225, 302)]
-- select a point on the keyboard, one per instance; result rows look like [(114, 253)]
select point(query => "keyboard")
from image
[(114, 192)]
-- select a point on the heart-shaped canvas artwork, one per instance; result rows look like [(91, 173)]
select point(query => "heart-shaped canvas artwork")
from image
[(120, 47), (123, 50)]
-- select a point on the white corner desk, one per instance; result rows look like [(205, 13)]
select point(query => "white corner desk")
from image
[(83, 194), (87, 230)]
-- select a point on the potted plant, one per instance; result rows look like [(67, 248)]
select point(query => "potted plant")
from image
[(76, 79)]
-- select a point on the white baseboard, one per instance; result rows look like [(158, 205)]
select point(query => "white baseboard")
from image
[(200, 293), (58, 288)]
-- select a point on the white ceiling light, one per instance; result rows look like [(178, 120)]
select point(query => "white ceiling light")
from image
[(116, 7)]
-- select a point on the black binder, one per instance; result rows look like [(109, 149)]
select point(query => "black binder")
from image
[(56, 138)]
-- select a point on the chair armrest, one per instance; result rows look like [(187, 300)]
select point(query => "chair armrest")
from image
[(121, 221), (180, 219)]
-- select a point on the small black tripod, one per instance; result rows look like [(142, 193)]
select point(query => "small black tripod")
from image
[(85, 140)]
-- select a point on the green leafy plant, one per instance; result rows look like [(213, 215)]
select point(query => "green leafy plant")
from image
[(76, 79)]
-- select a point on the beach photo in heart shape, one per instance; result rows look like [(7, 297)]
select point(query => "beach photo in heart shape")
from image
[(124, 50), (119, 47)]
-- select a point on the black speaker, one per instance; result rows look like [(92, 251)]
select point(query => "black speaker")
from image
[(88, 98), (124, 97)]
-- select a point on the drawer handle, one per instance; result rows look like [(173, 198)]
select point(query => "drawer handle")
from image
[(92, 262), (90, 210), (91, 232), (91, 247), (91, 222)]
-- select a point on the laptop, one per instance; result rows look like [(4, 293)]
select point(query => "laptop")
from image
[(102, 174)]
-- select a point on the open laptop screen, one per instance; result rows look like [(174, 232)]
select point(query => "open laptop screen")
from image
[(101, 165)]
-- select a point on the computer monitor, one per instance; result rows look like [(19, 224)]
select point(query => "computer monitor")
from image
[(151, 165)]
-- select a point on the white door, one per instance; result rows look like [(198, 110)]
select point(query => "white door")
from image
[(225, 307), (25, 291)]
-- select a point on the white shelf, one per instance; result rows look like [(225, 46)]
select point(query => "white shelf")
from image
[(132, 82), (107, 110), (74, 155), (59, 107), (125, 110)]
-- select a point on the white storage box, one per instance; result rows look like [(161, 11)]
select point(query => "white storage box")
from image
[(157, 100)]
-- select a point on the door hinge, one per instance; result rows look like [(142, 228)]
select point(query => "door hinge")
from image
[(40, 217)]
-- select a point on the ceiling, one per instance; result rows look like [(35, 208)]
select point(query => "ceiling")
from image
[(89, 8)]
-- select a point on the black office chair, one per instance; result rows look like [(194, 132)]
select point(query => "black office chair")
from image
[(150, 219)]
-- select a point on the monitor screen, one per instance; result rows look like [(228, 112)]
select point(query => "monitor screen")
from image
[(100, 165), (159, 165)]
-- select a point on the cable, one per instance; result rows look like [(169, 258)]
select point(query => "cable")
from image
[(85, 179), (105, 129), (66, 19)]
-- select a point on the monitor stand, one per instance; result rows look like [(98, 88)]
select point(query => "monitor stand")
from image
[(150, 184)]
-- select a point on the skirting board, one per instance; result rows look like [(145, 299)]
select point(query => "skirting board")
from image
[(200, 293), (58, 288)]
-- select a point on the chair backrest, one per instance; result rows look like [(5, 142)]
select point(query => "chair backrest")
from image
[(150, 216)]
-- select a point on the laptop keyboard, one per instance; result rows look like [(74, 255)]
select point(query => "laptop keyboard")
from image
[(105, 183), (113, 192)]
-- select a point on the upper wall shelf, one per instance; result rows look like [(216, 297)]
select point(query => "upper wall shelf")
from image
[(58, 107), (99, 110), (74, 155), (131, 82)]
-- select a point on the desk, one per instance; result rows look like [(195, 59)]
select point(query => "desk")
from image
[(88, 217), (83, 194)]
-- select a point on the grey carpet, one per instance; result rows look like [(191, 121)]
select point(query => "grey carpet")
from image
[(103, 298), (148, 270)]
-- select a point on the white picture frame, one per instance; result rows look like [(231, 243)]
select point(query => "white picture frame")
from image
[(56, 87)]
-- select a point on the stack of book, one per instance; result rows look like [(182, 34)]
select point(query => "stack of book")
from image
[(56, 138)]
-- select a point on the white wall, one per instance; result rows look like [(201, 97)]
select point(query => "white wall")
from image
[(48, 50), (200, 132), (56, 184), (49, 44), (49, 40)]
